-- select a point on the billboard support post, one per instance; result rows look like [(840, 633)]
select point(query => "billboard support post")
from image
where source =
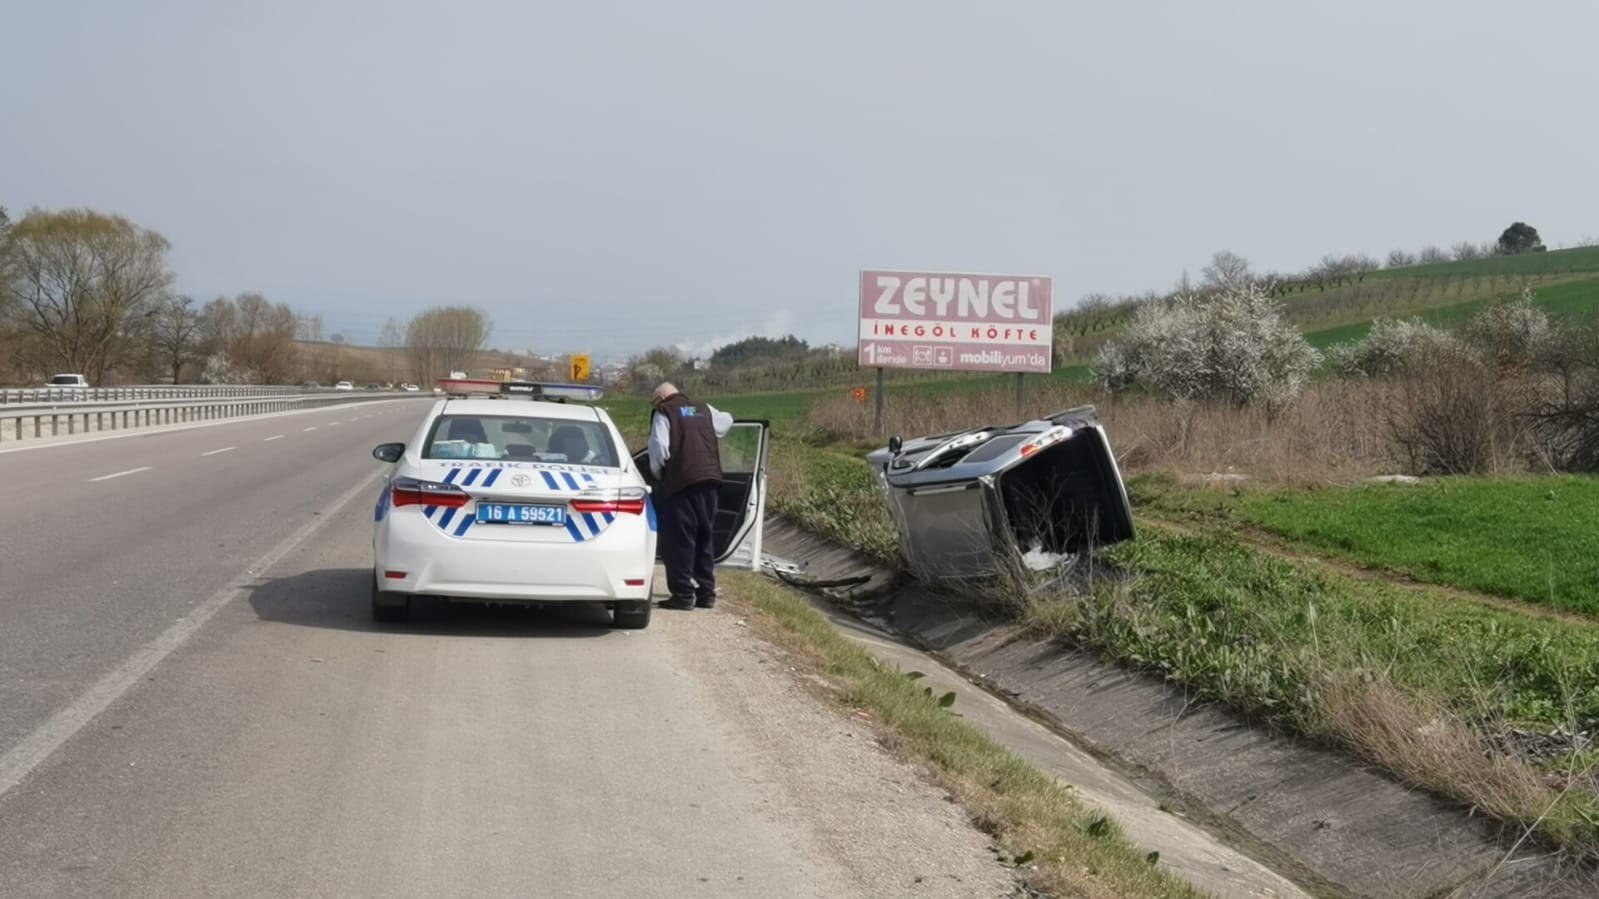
[(877, 405), (1021, 392)]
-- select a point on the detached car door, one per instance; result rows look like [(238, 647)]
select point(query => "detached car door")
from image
[(741, 505)]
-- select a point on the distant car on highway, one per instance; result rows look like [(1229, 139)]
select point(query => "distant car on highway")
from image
[(68, 381), (533, 500), (374, 386), (311, 385), (410, 388), (344, 385)]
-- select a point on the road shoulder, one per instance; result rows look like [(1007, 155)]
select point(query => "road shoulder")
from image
[(879, 817)]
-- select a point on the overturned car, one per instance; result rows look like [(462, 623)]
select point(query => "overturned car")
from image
[(973, 503)]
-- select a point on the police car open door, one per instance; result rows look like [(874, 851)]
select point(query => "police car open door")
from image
[(741, 505)]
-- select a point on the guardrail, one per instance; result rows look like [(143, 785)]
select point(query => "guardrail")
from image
[(38, 421), (12, 396)]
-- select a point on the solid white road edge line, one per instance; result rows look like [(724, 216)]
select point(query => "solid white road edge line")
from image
[(225, 449), (163, 429), (107, 477), (40, 744)]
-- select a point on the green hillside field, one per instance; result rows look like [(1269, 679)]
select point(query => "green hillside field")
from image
[(1445, 293)]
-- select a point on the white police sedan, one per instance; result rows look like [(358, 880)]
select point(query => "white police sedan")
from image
[(530, 499)]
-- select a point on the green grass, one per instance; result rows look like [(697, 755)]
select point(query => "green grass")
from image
[(833, 494), (1574, 299), (1534, 539), (1579, 259), (1261, 632), (1077, 850)]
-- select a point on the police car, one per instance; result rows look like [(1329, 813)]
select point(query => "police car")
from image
[(524, 494)]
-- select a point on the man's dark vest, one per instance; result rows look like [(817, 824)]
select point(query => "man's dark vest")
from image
[(694, 455)]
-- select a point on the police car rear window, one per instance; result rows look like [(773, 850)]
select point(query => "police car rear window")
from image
[(524, 438)]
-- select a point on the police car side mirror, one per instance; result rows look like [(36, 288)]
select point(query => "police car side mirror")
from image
[(388, 452), (895, 444)]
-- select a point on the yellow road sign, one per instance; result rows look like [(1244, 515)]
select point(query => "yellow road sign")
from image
[(580, 368)]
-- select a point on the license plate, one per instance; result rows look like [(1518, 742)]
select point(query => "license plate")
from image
[(507, 513)]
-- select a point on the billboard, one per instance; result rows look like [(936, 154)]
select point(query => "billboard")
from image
[(956, 322)]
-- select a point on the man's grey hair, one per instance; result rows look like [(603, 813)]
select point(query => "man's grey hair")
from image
[(665, 390)]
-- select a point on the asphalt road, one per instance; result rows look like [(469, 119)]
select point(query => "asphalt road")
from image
[(193, 702)]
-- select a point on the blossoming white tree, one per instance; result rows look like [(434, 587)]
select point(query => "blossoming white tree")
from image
[(1231, 344)]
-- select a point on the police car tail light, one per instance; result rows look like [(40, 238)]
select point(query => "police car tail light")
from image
[(416, 492), (625, 501)]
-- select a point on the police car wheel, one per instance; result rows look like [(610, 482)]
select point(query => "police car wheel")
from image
[(632, 615), (394, 607)]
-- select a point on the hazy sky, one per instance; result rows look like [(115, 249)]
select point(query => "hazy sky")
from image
[(605, 176)]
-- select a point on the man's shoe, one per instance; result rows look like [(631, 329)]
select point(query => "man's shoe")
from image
[(705, 603), (681, 605)]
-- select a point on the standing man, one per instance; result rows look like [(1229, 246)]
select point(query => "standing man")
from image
[(687, 463)]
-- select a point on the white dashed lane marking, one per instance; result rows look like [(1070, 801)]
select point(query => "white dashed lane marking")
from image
[(311, 428), (118, 474), (225, 449), (272, 438)]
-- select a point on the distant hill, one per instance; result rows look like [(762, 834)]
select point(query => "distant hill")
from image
[(1446, 293)]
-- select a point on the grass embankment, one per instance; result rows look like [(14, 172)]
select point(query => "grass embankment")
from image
[(1571, 299), (1576, 259), (1077, 851), (1532, 539), (1457, 696)]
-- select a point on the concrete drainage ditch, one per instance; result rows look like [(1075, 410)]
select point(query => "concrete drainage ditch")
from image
[(1266, 815)]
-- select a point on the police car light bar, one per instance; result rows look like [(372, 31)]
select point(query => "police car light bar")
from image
[(543, 390), (534, 390)]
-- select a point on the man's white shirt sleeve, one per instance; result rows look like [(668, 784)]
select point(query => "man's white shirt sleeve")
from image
[(660, 443)]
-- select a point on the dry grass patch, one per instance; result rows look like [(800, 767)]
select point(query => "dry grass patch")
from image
[(1331, 434), (1430, 748)]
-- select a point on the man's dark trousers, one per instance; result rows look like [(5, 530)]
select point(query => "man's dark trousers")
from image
[(687, 517)]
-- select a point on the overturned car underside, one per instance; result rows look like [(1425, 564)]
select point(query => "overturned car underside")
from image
[(974, 503)]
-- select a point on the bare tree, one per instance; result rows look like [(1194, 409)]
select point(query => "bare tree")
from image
[(1361, 265), (1433, 254), (1465, 250), (1226, 269), (335, 366), (80, 280), (392, 340), (255, 338), (1400, 259), (445, 339), (1334, 270), (175, 337)]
